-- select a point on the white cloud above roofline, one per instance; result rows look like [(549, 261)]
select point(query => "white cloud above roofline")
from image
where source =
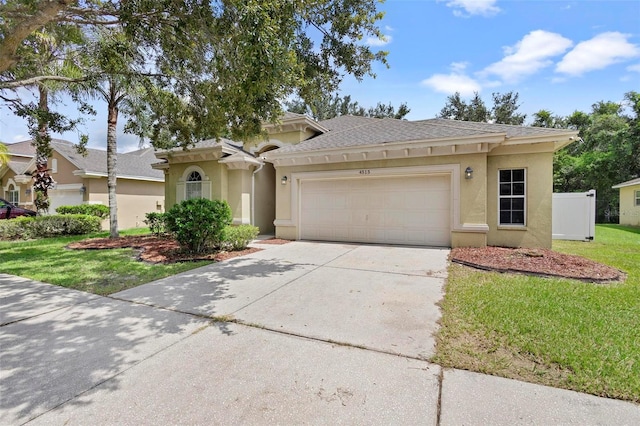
[(600, 52), (528, 56), (456, 81)]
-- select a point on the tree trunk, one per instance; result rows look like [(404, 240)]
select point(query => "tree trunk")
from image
[(42, 180), (112, 144)]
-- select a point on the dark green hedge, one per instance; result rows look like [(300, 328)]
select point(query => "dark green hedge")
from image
[(98, 210)]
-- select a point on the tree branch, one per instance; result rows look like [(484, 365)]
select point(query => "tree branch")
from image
[(14, 84), (47, 11)]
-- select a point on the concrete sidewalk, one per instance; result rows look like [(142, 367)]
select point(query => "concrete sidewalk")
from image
[(152, 354)]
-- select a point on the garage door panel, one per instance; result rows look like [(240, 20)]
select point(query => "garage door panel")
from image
[(394, 210)]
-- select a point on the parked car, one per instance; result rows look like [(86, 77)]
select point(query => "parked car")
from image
[(10, 211)]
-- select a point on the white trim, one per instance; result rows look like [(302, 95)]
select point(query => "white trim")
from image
[(509, 225), (628, 183), (68, 187), (410, 148), (96, 175), (266, 143), (453, 170)]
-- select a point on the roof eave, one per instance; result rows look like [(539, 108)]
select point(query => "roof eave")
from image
[(495, 138), (97, 175)]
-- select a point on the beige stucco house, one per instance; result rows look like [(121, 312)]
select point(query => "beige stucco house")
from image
[(629, 202), (432, 182), (83, 179)]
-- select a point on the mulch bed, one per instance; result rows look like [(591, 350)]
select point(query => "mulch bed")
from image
[(160, 250), (540, 262)]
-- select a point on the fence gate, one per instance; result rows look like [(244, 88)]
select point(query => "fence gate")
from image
[(574, 216)]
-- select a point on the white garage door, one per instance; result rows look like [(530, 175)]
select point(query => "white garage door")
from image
[(413, 210), (64, 197)]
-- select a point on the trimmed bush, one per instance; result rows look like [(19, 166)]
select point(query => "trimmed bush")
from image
[(198, 224), (239, 237), (49, 226), (97, 210), (157, 223), (14, 229)]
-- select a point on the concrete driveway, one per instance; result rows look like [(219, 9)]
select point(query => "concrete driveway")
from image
[(303, 333), (376, 297)]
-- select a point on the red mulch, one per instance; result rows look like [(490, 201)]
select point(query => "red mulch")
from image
[(541, 262), (157, 249)]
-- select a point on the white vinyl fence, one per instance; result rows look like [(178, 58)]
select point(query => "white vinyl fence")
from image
[(574, 216)]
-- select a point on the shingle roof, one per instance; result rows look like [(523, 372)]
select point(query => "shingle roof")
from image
[(344, 122), (136, 164), (21, 148), (359, 131)]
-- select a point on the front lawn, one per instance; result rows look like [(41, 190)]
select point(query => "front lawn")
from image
[(96, 271), (557, 332)]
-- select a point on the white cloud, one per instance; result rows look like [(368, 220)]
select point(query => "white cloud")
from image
[(473, 7), (20, 138), (456, 81), (634, 68), (601, 51), (373, 41), (529, 55), (388, 28)]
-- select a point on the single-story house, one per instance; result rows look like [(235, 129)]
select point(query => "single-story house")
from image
[(432, 182), (629, 202), (83, 179)]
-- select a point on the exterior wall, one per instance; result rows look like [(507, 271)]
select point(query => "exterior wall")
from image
[(265, 199), (472, 192), (135, 199), (233, 186), (629, 212), (25, 198), (288, 138), (216, 172), (539, 192), (64, 174), (239, 196)]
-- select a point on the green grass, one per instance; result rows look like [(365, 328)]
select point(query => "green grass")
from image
[(96, 271), (557, 332)]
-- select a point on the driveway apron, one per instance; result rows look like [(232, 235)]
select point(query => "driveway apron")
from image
[(377, 297)]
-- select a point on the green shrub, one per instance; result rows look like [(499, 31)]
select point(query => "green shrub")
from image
[(157, 223), (13, 229), (49, 226), (198, 224), (98, 210), (239, 237)]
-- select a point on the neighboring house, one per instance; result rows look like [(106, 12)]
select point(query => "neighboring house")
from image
[(629, 202), (432, 182), (140, 188)]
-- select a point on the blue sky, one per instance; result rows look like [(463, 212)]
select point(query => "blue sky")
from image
[(558, 55)]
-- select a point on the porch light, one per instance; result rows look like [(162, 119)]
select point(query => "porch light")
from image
[(83, 189), (284, 180), (468, 173)]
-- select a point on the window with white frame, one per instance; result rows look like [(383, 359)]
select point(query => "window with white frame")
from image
[(637, 198), (512, 197), (13, 194), (193, 186)]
